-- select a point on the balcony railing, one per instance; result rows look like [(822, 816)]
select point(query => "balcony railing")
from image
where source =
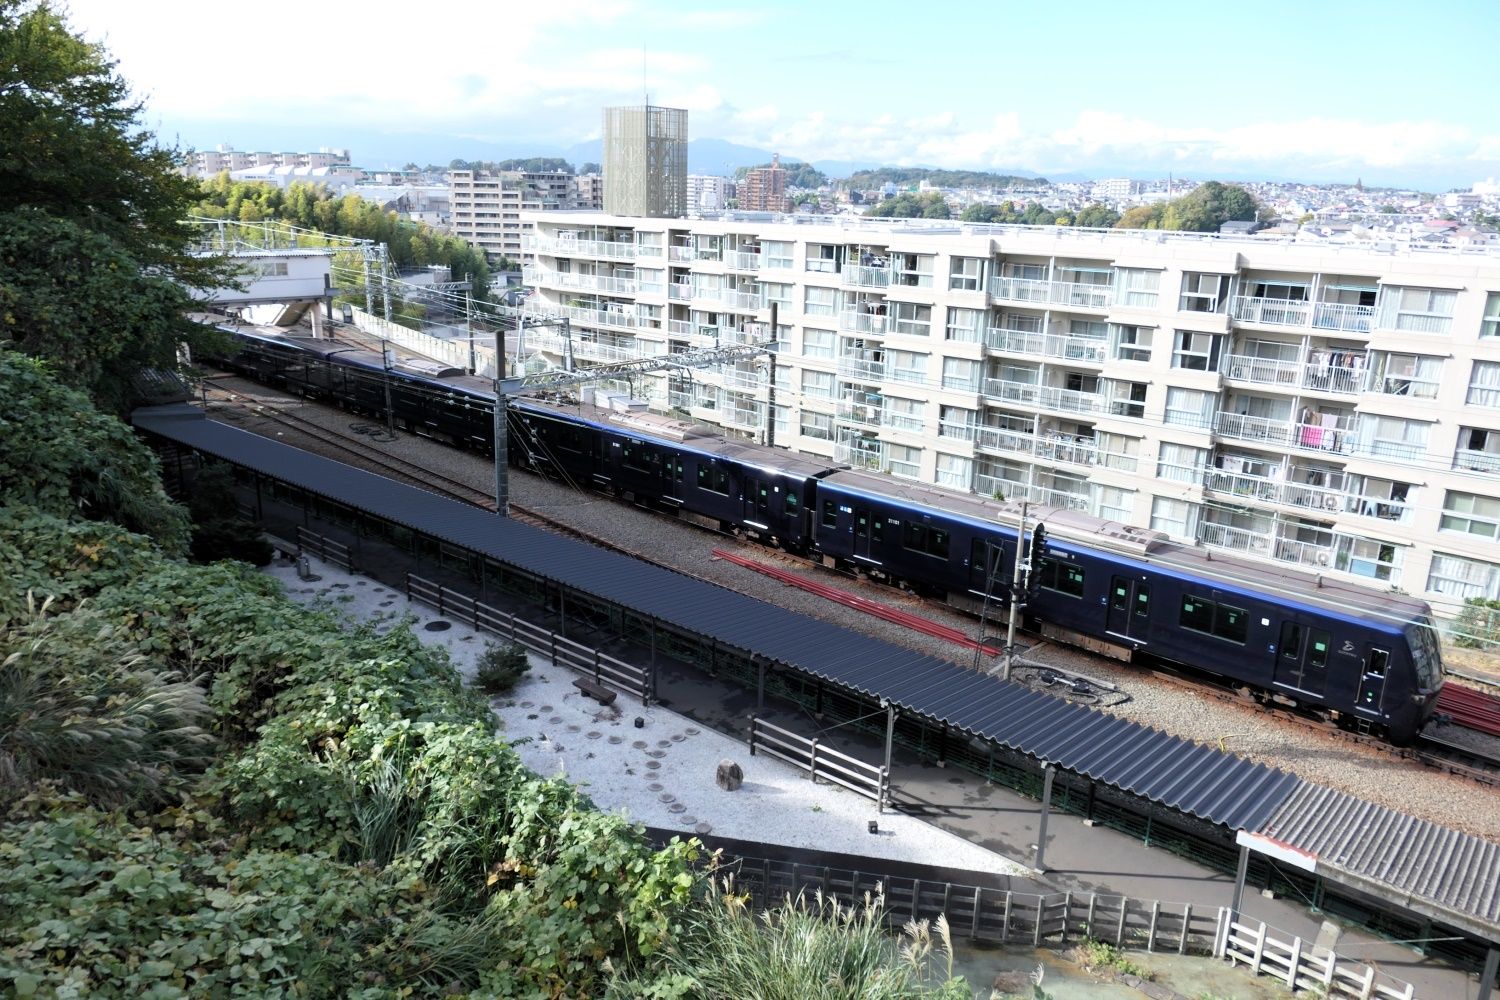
[(1044, 396), (1021, 289), (682, 254), (744, 381), (999, 439), (1273, 490), (742, 301), (862, 367), (557, 247), (742, 260), (1083, 295), (1339, 316), (851, 321), (861, 276), (1343, 316), (679, 292), (1320, 376), (1009, 341), (579, 281), (860, 453), (1476, 461), (1069, 448), (743, 417), (600, 317)]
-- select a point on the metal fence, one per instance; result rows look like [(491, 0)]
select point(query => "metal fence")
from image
[(602, 668), (820, 761)]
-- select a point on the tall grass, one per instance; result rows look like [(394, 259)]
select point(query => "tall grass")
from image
[(805, 949)]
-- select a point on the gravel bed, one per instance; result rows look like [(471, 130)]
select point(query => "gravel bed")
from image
[(1321, 757)]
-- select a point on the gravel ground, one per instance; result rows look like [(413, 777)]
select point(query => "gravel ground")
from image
[(1317, 756), (663, 773)]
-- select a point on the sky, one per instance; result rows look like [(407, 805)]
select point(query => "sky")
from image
[(1317, 90)]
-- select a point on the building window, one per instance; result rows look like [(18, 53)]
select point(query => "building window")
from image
[(1196, 351), (1484, 384), (907, 463), (913, 319), (817, 385), (954, 471), (817, 425), (1177, 518), (965, 326), (1132, 343), (1137, 287), (823, 258), (1414, 375), (1191, 407), (821, 301), (817, 343), (780, 293), (1126, 399), (1418, 310), (1491, 325), (1392, 437), (777, 254), (1471, 514), (1457, 577), (961, 374), (1223, 621), (966, 274), (957, 422), (1206, 293), (905, 414), (1181, 462), (1114, 504), (1371, 558), (906, 366), (913, 270)]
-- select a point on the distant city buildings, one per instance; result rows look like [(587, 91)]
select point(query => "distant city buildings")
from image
[(588, 191), (486, 207), (708, 193), (645, 161), (764, 189), (207, 163)]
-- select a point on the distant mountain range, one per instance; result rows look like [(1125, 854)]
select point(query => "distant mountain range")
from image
[(374, 149)]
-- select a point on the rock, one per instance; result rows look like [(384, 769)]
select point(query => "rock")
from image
[(730, 776)]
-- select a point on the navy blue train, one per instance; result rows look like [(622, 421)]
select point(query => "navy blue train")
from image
[(1363, 658)]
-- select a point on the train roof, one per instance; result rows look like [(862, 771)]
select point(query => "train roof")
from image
[(1147, 546)]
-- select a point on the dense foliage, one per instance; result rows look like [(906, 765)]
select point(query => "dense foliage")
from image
[(313, 206), (1091, 216), (798, 174), (864, 180), (931, 205), (94, 255), (1203, 209)]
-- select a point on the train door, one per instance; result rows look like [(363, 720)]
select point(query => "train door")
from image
[(1302, 657), (1129, 612), (867, 535), (1372, 681), (757, 501)]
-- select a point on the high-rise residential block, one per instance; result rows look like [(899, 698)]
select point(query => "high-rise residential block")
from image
[(645, 161), (764, 189)]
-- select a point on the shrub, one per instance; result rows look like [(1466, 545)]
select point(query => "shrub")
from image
[(1478, 624), (500, 668), (1097, 956)]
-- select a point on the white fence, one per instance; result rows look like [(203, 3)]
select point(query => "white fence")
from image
[(1305, 967), (450, 352), (819, 761)]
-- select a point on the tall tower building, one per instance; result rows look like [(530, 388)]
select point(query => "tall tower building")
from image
[(764, 189), (645, 161)]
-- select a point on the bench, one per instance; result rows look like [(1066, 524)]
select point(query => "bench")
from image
[(598, 692)]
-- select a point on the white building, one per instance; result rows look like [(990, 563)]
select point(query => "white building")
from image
[(1332, 406), (339, 180), (1115, 189), (485, 208), (207, 163), (708, 193)]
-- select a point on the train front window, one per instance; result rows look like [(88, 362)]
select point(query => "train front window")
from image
[(1377, 663), (1425, 658)]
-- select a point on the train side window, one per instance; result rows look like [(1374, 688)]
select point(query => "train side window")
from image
[(1065, 578), (1119, 598), (713, 479), (1377, 662), (1317, 649), (1143, 600), (1230, 623), (937, 543), (791, 502), (1291, 641), (677, 468), (877, 529), (1197, 614), (830, 514)]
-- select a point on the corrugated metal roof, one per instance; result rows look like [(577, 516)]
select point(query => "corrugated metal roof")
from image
[(1454, 873), (1196, 780)]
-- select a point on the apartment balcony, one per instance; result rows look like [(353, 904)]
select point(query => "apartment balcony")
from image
[(1277, 491), (1053, 497), (580, 282), (683, 255), (1021, 289), (860, 276), (1293, 375), (862, 366), (584, 348), (1081, 295), (1046, 345), (565, 247), (999, 486), (679, 291), (1266, 545), (601, 317), (998, 440), (1476, 461), (1335, 316), (742, 301), (853, 321), (1044, 397), (744, 381), (1009, 341), (741, 260), (1068, 448), (861, 453), (744, 416)]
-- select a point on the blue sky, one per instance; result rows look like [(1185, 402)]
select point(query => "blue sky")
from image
[(1391, 93)]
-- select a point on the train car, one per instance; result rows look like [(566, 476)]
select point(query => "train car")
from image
[(1360, 657), (1364, 658)]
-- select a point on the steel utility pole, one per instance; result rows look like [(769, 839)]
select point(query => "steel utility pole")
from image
[(386, 356), (1015, 597), (502, 485), (771, 385), (469, 327)]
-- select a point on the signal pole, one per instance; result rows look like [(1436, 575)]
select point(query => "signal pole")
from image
[(1015, 597)]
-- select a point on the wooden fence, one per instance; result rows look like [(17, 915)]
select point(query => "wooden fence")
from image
[(325, 548), (602, 668), (819, 761)]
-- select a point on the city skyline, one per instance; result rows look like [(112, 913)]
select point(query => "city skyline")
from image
[(1328, 94)]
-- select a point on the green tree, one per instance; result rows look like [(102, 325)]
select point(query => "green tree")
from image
[(931, 205), (1203, 209), (1142, 217), (95, 251), (1096, 216)]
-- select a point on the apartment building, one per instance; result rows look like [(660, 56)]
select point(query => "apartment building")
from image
[(764, 189), (486, 207), (207, 163), (708, 193), (1325, 405)]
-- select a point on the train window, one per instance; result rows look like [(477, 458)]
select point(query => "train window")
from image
[(1317, 649), (1143, 600), (925, 539), (791, 502), (570, 438), (1230, 623), (937, 543), (1197, 614), (830, 514), (1119, 598), (1377, 662), (677, 469), (877, 530), (714, 479), (1291, 641), (1065, 578)]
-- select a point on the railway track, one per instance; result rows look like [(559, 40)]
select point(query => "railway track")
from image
[(1431, 751)]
